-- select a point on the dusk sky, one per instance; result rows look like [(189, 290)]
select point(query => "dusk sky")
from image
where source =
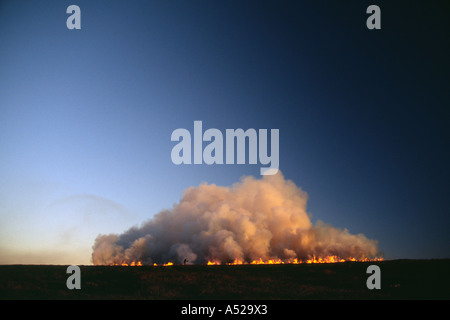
[(86, 116)]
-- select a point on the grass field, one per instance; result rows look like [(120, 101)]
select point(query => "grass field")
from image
[(400, 279)]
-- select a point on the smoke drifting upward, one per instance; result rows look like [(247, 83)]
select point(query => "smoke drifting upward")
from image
[(254, 219)]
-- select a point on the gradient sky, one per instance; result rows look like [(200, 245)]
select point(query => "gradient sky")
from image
[(86, 115)]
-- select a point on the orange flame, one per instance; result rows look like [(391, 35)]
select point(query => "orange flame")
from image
[(328, 259), (314, 259), (126, 264), (168, 264)]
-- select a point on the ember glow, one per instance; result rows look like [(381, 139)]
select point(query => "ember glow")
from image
[(256, 221)]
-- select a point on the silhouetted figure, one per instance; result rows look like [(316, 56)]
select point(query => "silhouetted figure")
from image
[(185, 260)]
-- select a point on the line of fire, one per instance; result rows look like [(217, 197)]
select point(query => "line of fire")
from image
[(328, 259)]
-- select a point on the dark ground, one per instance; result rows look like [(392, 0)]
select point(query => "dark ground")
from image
[(400, 279)]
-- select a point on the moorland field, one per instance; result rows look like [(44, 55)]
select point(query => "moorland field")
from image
[(400, 279)]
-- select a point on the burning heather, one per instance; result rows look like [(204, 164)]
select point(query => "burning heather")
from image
[(253, 222)]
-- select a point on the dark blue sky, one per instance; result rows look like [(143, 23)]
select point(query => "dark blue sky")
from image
[(86, 115)]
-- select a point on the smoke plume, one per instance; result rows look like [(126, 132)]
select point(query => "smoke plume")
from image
[(251, 220)]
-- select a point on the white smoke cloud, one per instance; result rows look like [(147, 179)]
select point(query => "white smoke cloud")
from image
[(251, 220)]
